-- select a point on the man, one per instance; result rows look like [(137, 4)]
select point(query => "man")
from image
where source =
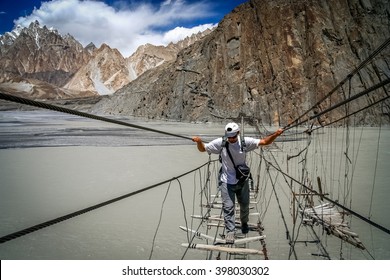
[(229, 185)]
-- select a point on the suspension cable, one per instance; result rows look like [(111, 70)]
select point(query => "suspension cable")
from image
[(43, 105), (365, 92), (382, 228), (348, 77), (205, 215), (353, 113), (159, 220), (288, 235), (88, 209)]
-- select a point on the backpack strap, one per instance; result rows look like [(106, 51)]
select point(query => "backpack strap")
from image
[(224, 141), (224, 145), (230, 155), (243, 144)]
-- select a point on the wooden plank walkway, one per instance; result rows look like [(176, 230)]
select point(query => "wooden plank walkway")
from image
[(240, 248)]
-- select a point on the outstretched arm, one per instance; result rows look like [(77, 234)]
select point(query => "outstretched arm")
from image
[(269, 139), (199, 143)]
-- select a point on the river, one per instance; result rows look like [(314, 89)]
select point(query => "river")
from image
[(54, 164)]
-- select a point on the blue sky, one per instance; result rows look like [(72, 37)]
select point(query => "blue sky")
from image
[(121, 24)]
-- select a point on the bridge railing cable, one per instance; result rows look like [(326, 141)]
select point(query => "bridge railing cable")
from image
[(350, 99), (34, 228), (367, 220), (39, 104), (298, 121)]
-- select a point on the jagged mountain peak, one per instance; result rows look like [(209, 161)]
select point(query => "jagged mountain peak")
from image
[(90, 48), (106, 48), (44, 54), (149, 56), (189, 40), (105, 72), (9, 37), (38, 53), (33, 28)]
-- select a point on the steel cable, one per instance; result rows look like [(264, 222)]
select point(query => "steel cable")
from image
[(382, 228), (347, 78), (88, 209), (43, 105)]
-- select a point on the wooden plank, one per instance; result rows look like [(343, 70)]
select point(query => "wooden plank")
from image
[(199, 234), (213, 217), (222, 241), (218, 202), (249, 239), (217, 206), (253, 227), (243, 240), (223, 249)]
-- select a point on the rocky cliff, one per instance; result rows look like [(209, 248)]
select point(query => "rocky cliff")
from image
[(270, 60)]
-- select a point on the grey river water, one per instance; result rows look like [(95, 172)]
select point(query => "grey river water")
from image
[(54, 164)]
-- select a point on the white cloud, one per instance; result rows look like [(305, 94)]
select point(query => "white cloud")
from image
[(179, 33), (123, 26)]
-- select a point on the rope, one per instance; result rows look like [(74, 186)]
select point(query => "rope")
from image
[(288, 235), (88, 209), (159, 220), (348, 77), (182, 203), (365, 92), (334, 202), (353, 113), (207, 214), (375, 171), (43, 105), (290, 238)]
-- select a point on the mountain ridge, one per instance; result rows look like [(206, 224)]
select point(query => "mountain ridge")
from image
[(93, 71)]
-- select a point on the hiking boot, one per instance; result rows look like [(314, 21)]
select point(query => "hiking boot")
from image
[(244, 228), (229, 239)]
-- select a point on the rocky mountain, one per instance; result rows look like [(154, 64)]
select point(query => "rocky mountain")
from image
[(270, 60), (108, 71), (40, 63), (36, 62), (105, 72), (149, 56), (40, 53)]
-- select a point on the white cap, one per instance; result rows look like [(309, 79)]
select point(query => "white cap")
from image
[(231, 129)]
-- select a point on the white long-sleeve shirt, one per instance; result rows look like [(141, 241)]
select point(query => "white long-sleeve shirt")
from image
[(228, 171)]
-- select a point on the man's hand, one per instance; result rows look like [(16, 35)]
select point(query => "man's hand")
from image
[(199, 143), (279, 131), (269, 139), (197, 139)]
